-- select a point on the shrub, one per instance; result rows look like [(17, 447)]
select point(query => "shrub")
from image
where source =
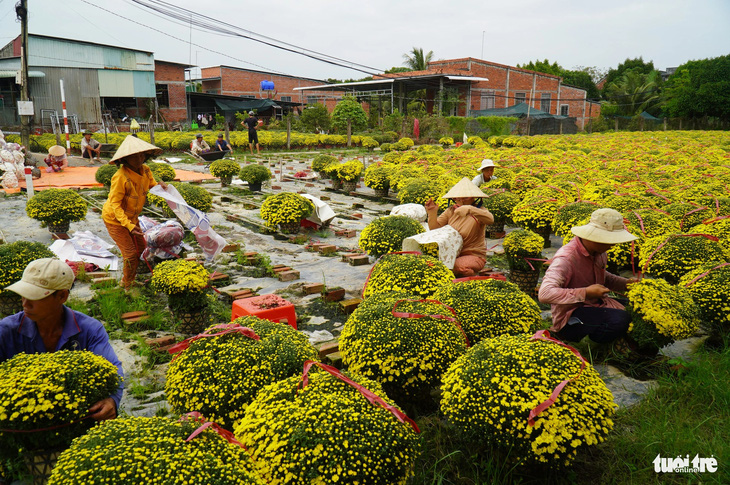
[(500, 203), (51, 390), (419, 190), (570, 215), (489, 308), (284, 208), (153, 450), (709, 286), (14, 257), (322, 161), (315, 118), (349, 109), (446, 141), (671, 257), (407, 142), (522, 244), (56, 206), (377, 175), (370, 143), (254, 173), (194, 195), (406, 355), (661, 313), (163, 171), (105, 173), (327, 433), (224, 168), (220, 375), (414, 274), (489, 391), (386, 234), (350, 170)]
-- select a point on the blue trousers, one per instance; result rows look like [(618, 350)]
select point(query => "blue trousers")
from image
[(602, 325)]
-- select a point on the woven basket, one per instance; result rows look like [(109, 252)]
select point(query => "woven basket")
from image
[(349, 186), (495, 231), (61, 228), (381, 192), (290, 227), (40, 464), (192, 322), (336, 184), (10, 303), (525, 280)]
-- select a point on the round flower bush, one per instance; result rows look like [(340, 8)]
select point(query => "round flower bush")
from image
[(224, 168), (419, 190), (535, 212), (14, 257), (718, 227), (521, 244), (671, 257), (500, 203), (138, 450), (377, 175), (350, 170), (162, 170), (488, 308), (219, 376), (56, 206), (709, 286), (415, 274), (569, 215), (322, 161), (369, 142), (406, 355), (51, 390), (105, 173), (194, 195), (488, 394), (285, 207), (386, 234), (688, 214), (179, 276), (327, 432), (254, 173), (446, 141), (661, 313)]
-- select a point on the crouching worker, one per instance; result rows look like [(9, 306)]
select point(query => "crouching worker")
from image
[(47, 325), (56, 159), (468, 221), (577, 284)]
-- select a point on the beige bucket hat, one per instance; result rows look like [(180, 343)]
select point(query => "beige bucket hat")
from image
[(605, 227), (486, 163), (42, 277), (57, 151), (463, 188), (132, 145)]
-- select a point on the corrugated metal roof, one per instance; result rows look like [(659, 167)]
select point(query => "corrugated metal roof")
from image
[(30, 74), (52, 52)]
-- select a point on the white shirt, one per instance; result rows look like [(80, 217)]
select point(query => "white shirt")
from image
[(479, 179)]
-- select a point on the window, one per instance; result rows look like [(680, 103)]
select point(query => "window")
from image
[(312, 99), (563, 110), (248, 96), (163, 97), (545, 102), (286, 98), (487, 100), (520, 97)]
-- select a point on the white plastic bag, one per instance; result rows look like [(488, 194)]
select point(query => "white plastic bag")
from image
[(415, 211)]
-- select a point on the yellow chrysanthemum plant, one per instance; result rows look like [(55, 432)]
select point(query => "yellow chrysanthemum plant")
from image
[(498, 395), (672, 256), (420, 190), (185, 284), (14, 257), (414, 274), (661, 313), (45, 398), (489, 308), (219, 375), (324, 427), (404, 343), (500, 203), (709, 285), (523, 248), (377, 176), (224, 169), (350, 171), (386, 234), (56, 207), (285, 208), (154, 451)]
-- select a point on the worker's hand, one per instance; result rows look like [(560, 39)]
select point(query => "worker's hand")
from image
[(137, 231), (431, 206), (633, 280), (162, 184), (104, 409), (596, 291)]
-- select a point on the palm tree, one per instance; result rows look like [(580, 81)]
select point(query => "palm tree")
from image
[(635, 92), (416, 60)]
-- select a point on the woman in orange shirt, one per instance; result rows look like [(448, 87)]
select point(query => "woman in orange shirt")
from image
[(127, 197)]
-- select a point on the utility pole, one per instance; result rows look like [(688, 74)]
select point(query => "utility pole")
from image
[(21, 10)]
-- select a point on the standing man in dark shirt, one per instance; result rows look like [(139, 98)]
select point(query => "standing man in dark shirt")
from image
[(253, 136)]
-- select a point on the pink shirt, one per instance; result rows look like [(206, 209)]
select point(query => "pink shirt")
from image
[(574, 269)]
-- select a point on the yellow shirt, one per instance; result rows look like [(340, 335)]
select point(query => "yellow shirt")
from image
[(127, 196)]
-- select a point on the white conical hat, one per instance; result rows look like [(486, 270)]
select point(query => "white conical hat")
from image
[(463, 188), (132, 145), (57, 151)]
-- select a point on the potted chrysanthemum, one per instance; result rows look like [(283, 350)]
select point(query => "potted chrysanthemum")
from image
[(254, 175), (14, 257), (500, 203), (523, 248), (349, 173), (386, 234), (286, 210), (225, 170), (57, 208), (184, 282), (377, 177)]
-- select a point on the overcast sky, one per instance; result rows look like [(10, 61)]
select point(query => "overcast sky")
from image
[(376, 33)]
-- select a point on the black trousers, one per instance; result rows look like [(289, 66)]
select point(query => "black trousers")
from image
[(602, 325)]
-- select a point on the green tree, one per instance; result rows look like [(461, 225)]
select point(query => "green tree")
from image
[(637, 65), (635, 92), (543, 66), (580, 78), (700, 88), (349, 109), (416, 60), (315, 118)]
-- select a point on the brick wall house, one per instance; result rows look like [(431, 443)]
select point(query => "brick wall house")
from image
[(170, 89)]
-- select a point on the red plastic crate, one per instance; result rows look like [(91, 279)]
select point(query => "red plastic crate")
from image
[(259, 306)]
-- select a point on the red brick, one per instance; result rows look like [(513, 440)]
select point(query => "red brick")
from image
[(327, 249), (359, 260), (349, 306), (288, 275), (328, 348), (313, 288), (357, 215), (231, 248), (160, 341)]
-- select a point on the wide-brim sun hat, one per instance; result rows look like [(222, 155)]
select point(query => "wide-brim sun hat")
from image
[(57, 151), (88, 132), (132, 145), (486, 163), (605, 227), (42, 277), (463, 188)]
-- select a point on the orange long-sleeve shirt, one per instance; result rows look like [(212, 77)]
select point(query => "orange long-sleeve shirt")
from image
[(127, 196)]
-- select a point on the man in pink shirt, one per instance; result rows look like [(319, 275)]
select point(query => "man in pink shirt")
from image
[(577, 284)]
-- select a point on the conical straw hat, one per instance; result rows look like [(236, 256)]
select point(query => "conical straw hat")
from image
[(463, 188), (56, 151), (132, 145)]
